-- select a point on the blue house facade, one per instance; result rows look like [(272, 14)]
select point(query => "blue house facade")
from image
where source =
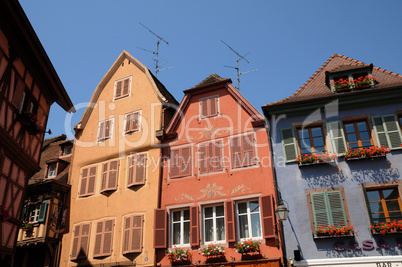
[(337, 155)]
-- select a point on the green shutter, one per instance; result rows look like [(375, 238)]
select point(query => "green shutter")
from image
[(379, 130), (337, 137), (289, 144), (42, 211), (24, 210), (391, 126), (328, 209), (367, 204)]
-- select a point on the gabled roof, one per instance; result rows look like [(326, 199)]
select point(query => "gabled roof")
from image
[(211, 83), (162, 93), (315, 87)]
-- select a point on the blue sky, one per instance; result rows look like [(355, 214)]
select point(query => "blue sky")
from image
[(287, 41)]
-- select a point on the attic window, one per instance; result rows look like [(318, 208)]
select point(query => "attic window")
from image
[(347, 78), (51, 170), (67, 150), (122, 88)]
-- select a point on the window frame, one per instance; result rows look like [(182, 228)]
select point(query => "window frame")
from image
[(357, 132), (88, 177), (214, 220), (249, 222), (182, 221), (68, 148), (131, 131), (105, 182), (208, 160), (129, 78), (254, 162), (180, 164), (79, 242), (209, 112), (104, 138), (50, 169), (36, 209), (350, 75), (298, 140), (128, 232)]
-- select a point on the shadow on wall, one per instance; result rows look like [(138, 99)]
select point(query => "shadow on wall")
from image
[(378, 170), (322, 175)]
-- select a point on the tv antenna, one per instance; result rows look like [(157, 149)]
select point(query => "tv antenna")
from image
[(156, 53), (238, 58)]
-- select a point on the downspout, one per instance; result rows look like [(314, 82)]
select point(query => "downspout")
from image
[(277, 192)]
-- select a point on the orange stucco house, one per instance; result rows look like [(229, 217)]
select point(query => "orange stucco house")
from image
[(217, 181), (115, 170)]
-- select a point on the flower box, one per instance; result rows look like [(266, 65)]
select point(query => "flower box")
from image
[(372, 158), (179, 256), (314, 159), (248, 246), (334, 231), (214, 253), (180, 262), (394, 227), (363, 153)]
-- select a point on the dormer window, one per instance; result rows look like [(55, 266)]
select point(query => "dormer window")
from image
[(346, 78), (66, 150), (209, 106), (51, 170), (122, 88)]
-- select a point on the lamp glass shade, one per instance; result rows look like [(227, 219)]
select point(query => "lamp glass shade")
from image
[(282, 212)]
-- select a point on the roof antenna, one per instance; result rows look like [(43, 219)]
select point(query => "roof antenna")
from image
[(157, 65), (238, 58)]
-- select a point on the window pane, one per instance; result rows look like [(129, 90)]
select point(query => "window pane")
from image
[(373, 195), (376, 207), (350, 128), (220, 211), (303, 134), (362, 126), (186, 214), (176, 233), (220, 229), (354, 145), (364, 136), (254, 206), (392, 205), (366, 144), (243, 226), (256, 224), (208, 212), (242, 207), (305, 143), (390, 193), (352, 138), (209, 230), (315, 132), (176, 216), (318, 141), (186, 234), (378, 218)]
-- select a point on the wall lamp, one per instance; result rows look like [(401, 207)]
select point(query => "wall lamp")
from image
[(282, 212)]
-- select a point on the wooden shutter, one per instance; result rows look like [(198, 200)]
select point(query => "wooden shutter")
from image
[(320, 210), (203, 158), (126, 84), (131, 169), (91, 180), (335, 202), (236, 152), (129, 119), (185, 158), (83, 243), (42, 211), (107, 242), (174, 163), (337, 137), (267, 216), (126, 234), (98, 239), (328, 208), (84, 181), (366, 200), (105, 167), (230, 222), (135, 123), (213, 101), (76, 239), (136, 235), (110, 175), (118, 89), (194, 228), (108, 128), (380, 131), (140, 169), (160, 230), (216, 159), (248, 150), (101, 131), (393, 131), (289, 144), (204, 108)]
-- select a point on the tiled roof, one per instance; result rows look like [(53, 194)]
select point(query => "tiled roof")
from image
[(210, 79), (316, 88)]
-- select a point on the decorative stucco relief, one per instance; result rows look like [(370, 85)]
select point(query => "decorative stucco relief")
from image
[(212, 190), (210, 132)]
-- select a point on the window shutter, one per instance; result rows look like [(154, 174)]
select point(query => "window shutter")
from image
[(101, 131), (136, 240), (174, 163), (98, 239), (42, 211), (217, 156), (203, 158), (126, 87), (236, 152), (185, 161), (213, 106), (131, 169), (24, 209), (289, 144), (230, 224), (367, 204), (204, 108), (335, 201), (105, 167), (328, 208), (126, 234), (135, 123), (337, 137), (140, 169), (113, 174), (393, 131), (108, 128), (129, 119), (320, 210), (194, 236), (18, 94), (248, 150), (84, 240), (84, 182), (76, 239), (118, 89), (268, 219), (107, 243), (160, 229), (91, 180), (380, 131)]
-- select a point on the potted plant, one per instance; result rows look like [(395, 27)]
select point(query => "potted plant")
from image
[(27, 226), (4, 215), (364, 81), (387, 227), (179, 256), (30, 121), (342, 84), (308, 159), (335, 231), (369, 152), (249, 245), (213, 252)]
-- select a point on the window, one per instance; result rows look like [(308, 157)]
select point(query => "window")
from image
[(51, 170), (356, 79), (383, 204), (214, 224), (66, 150), (105, 130), (327, 207), (180, 162), (358, 134), (249, 221), (243, 151), (311, 140), (132, 122), (181, 227), (88, 178), (387, 131), (104, 238), (35, 213), (122, 88), (80, 242), (210, 157), (132, 237), (110, 174), (209, 107), (137, 169)]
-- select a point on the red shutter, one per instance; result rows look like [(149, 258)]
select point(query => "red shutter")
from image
[(267, 214), (126, 87), (98, 239), (129, 119), (131, 168), (136, 240), (174, 163), (113, 174), (140, 169), (76, 239), (194, 229), (105, 167), (204, 108), (236, 152), (84, 181), (91, 180), (248, 150), (213, 103), (107, 244), (230, 222), (118, 89), (216, 160), (203, 158), (160, 229), (126, 234), (18, 93), (185, 161), (101, 131)]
